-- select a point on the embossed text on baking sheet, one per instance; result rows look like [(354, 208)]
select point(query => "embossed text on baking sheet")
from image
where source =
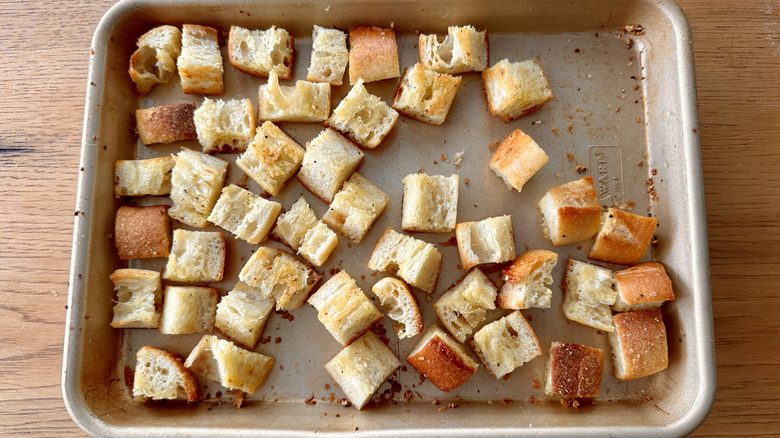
[(606, 169)]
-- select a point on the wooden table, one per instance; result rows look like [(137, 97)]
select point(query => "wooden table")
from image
[(45, 48)]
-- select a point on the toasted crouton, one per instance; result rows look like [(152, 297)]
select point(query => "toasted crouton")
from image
[(242, 314), (329, 160), (329, 56), (200, 62), (442, 360), (401, 305), (515, 89), (225, 125), (196, 257), (344, 309), (430, 203), (517, 159), (644, 286), (300, 229), (279, 276), (362, 367), (150, 177), (639, 345), (589, 291), (271, 159), (166, 124), (188, 309), (528, 281), (248, 216), (464, 49), (571, 212), (464, 306), (260, 52), (161, 375), (142, 232), (415, 261), (363, 117), (425, 95), (623, 237), (138, 298), (506, 344), (573, 370), (490, 240), (231, 366), (355, 207), (373, 54), (196, 182), (305, 102), (154, 61)]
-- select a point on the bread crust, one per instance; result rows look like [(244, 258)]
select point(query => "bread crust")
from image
[(166, 124), (188, 380), (500, 76), (142, 232), (441, 360), (517, 159), (408, 305), (574, 370), (576, 209), (623, 237), (373, 54), (639, 345), (642, 285)]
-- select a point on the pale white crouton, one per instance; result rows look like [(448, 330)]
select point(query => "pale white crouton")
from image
[(196, 182), (401, 306), (490, 240), (305, 102), (506, 344), (161, 375), (329, 160), (200, 62), (430, 203), (329, 56), (415, 261), (154, 61), (425, 95), (528, 281), (515, 89), (196, 257), (271, 159), (300, 229), (138, 298), (248, 216), (589, 291), (231, 366), (464, 306), (188, 309), (242, 314), (464, 49), (225, 125), (279, 276), (355, 207), (363, 117), (260, 52)]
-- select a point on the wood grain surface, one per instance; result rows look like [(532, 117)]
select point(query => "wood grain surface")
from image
[(45, 50)]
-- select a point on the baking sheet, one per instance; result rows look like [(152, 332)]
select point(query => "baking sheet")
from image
[(624, 110)]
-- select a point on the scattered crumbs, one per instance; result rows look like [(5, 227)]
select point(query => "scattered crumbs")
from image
[(538, 122), (327, 8), (356, 428), (629, 43), (55, 293), (636, 87), (374, 274), (458, 158), (555, 131), (278, 340), (530, 318), (285, 315), (493, 146), (327, 386), (334, 271), (506, 401), (590, 76), (443, 408), (579, 247), (436, 401), (310, 401), (599, 332), (337, 415), (452, 241), (91, 51), (392, 26), (408, 396), (219, 394), (362, 277), (467, 181), (537, 385), (435, 162), (638, 119), (242, 182), (641, 163), (428, 299), (94, 138), (452, 405), (421, 169), (617, 110), (578, 109), (654, 171), (344, 402), (694, 131), (459, 266), (264, 341), (580, 168), (569, 156), (634, 29), (576, 50), (444, 157), (238, 398), (418, 394), (570, 127)]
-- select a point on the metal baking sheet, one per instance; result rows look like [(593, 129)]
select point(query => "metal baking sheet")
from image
[(624, 109)]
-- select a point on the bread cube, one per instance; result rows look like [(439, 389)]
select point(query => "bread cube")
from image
[(188, 309), (571, 212), (161, 375), (363, 117), (589, 291), (401, 306), (641, 287), (196, 257), (151, 177), (464, 305), (430, 203), (464, 49), (623, 237), (280, 277), (329, 56), (490, 240), (638, 343), (261, 52), (506, 344), (362, 367), (166, 124), (329, 160), (242, 314), (417, 262), (196, 182), (271, 159), (528, 281), (373, 54), (225, 125), (154, 61), (344, 309), (442, 360), (306, 102), (300, 229), (425, 95), (231, 366), (517, 159), (515, 89), (573, 370), (248, 216), (200, 62), (138, 298), (355, 207), (142, 232)]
